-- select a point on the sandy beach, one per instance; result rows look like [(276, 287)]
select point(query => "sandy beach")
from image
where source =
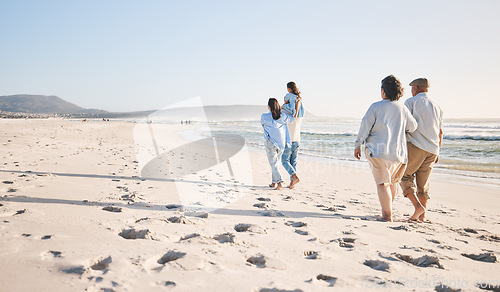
[(79, 212)]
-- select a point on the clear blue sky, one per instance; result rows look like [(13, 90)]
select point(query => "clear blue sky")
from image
[(138, 55)]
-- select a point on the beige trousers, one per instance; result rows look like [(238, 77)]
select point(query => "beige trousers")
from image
[(418, 171)]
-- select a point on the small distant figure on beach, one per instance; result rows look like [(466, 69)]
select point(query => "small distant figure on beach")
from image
[(383, 131), (276, 137), (84, 120), (423, 147), (293, 107)]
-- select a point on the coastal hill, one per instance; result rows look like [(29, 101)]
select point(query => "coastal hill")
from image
[(41, 104), (33, 105)]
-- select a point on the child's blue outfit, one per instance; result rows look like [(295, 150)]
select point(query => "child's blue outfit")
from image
[(289, 107)]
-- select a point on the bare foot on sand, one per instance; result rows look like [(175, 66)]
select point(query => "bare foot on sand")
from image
[(278, 187), (273, 185), (419, 214), (423, 219), (295, 180)]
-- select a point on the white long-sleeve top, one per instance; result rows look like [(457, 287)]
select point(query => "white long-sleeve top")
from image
[(383, 130), (429, 117)]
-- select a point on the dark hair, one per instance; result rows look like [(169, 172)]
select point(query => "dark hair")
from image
[(392, 88), (275, 108), (293, 88)]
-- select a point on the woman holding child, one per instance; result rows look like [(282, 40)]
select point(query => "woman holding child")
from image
[(383, 131), (292, 106)]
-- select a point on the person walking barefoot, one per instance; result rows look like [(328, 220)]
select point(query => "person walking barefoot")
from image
[(383, 131), (423, 147), (292, 106), (276, 138)]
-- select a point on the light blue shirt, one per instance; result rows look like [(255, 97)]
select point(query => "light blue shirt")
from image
[(289, 108), (429, 117), (383, 130), (276, 131)]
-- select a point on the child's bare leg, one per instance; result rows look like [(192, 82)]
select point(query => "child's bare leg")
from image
[(419, 208), (385, 198)]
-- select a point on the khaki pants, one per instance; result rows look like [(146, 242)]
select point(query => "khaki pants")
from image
[(419, 168)]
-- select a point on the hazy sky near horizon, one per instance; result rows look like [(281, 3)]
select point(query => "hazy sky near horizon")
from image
[(131, 55)]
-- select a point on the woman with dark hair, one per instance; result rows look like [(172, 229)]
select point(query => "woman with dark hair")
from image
[(383, 131), (293, 106), (276, 137)]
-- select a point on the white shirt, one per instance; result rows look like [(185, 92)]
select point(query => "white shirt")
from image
[(294, 128), (429, 117), (383, 130)]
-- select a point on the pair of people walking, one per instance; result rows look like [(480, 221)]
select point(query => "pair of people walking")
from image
[(282, 135), (402, 144)]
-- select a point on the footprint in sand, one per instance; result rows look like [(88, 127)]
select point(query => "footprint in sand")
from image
[(312, 255), (384, 283), (168, 284), (19, 212), (261, 261), (261, 205), (301, 232), (443, 288), (264, 199), (101, 264), (56, 254), (484, 257), (377, 265), (243, 227), (136, 234), (171, 255), (423, 261), (180, 220), (51, 254), (329, 279), (173, 206), (226, 238), (346, 242), (112, 209), (401, 227), (272, 213), (258, 260), (45, 237), (296, 224), (78, 270)]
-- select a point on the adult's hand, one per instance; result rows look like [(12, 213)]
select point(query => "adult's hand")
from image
[(357, 153)]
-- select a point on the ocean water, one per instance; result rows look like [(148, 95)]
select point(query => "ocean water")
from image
[(470, 147)]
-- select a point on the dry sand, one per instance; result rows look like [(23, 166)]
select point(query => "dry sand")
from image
[(76, 215)]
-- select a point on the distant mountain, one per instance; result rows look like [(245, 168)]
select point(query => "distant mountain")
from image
[(42, 104)]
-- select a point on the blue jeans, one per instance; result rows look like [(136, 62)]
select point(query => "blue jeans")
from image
[(273, 155), (289, 158)]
